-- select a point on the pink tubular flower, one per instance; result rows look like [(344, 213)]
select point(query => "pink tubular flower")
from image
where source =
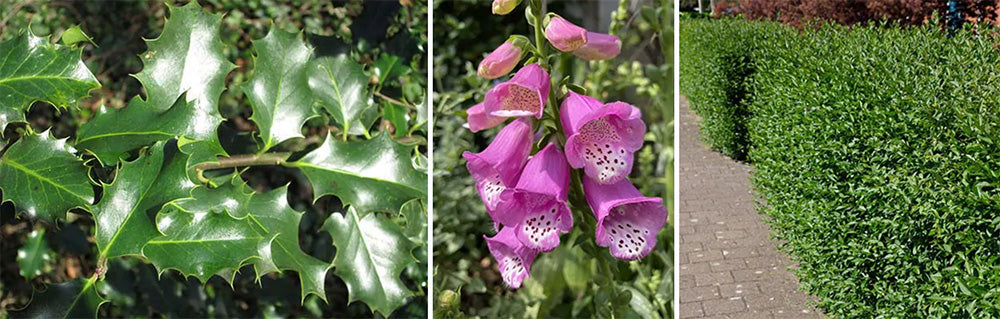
[(504, 58), (627, 222), (523, 95), (536, 208), (499, 165), (564, 35), (478, 120), (513, 258), (502, 7), (601, 138), (599, 46)]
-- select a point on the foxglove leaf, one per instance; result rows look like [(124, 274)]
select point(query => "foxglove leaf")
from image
[(32, 69), (271, 212), (278, 90), (40, 174), (72, 299), (184, 74), (202, 244), (123, 226), (33, 256), (371, 253), (342, 87), (370, 175)]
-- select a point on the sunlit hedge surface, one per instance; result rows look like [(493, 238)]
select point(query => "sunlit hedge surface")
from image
[(876, 152)]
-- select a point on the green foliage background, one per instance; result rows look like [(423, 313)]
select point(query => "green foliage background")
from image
[(367, 32), (564, 282), (876, 154)]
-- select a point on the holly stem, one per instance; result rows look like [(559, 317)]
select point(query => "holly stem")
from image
[(242, 160)]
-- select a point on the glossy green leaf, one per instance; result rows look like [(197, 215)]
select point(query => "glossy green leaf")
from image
[(123, 226), (388, 67), (32, 69), (342, 87), (72, 299), (278, 90), (33, 256), (186, 57), (204, 243), (75, 35), (415, 213), (183, 75), (271, 212), (369, 175), (40, 174), (371, 253)]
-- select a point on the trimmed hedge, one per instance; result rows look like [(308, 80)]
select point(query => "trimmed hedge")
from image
[(877, 152)]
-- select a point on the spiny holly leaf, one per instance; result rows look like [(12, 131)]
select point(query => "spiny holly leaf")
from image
[(203, 244), (72, 299), (184, 73), (271, 212), (415, 214), (123, 226), (112, 133), (369, 175), (186, 57), (35, 253), (371, 253), (342, 87), (388, 67), (40, 174), (32, 69), (279, 88)]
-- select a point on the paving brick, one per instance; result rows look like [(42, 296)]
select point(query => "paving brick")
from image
[(729, 264)]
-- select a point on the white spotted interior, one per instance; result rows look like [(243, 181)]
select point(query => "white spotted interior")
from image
[(512, 270), (626, 236), (492, 187), (603, 152), (539, 226)]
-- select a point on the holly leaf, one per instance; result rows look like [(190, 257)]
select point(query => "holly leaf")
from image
[(204, 243), (415, 214), (371, 253), (183, 75), (72, 299), (186, 57), (271, 212), (32, 69), (123, 226), (389, 66), (35, 253), (278, 90), (342, 87), (369, 175), (40, 174)]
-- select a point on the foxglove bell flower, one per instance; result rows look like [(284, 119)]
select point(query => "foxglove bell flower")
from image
[(504, 58), (627, 222), (599, 46), (498, 166), (536, 208), (513, 258), (523, 95), (478, 120), (601, 138), (564, 35), (502, 7)]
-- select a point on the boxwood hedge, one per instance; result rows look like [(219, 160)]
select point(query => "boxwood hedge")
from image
[(877, 153)]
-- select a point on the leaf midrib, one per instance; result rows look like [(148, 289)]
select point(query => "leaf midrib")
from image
[(303, 164), (142, 196), (361, 236), (181, 242), (42, 77), (27, 170)]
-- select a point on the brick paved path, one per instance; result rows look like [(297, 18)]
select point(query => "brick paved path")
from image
[(729, 267)]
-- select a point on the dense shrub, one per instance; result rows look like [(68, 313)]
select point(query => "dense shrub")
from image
[(876, 154)]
